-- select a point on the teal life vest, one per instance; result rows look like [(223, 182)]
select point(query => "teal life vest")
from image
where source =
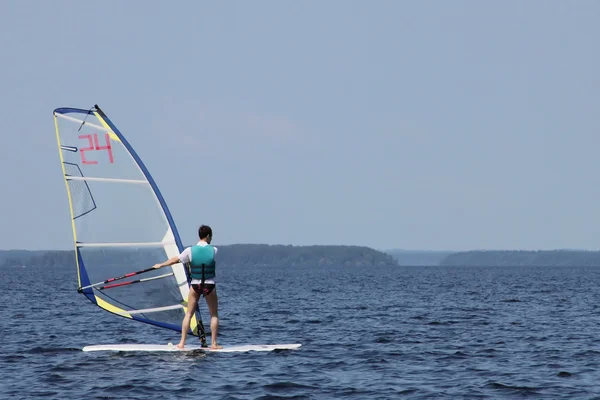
[(203, 262)]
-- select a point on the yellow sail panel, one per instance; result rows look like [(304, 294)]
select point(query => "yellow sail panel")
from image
[(112, 135), (62, 163), (111, 308)]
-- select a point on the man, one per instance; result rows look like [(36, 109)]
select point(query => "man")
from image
[(202, 260)]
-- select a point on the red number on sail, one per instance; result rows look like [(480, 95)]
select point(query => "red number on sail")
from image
[(107, 147), (94, 145), (84, 149)]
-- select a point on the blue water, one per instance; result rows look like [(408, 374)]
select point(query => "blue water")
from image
[(379, 333)]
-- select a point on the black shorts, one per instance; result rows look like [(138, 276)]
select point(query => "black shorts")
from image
[(208, 288)]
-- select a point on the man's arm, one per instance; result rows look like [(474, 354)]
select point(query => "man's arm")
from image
[(170, 261)]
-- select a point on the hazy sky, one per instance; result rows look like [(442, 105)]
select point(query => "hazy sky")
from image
[(394, 124)]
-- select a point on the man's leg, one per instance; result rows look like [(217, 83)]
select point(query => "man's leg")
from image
[(212, 301), (191, 308)]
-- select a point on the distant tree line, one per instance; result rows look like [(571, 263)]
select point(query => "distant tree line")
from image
[(248, 255), (516, 258), (237, 254)]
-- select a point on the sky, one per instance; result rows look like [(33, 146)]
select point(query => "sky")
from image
[(441, 125)]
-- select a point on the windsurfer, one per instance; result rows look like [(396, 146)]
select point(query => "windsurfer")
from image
[(202, 260)]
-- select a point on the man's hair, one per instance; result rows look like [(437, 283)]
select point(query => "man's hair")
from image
[(204, 231)]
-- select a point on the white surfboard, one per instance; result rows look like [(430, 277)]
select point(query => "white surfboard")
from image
[(172, 347)]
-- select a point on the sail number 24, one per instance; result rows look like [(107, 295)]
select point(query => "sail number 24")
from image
[(94, 145)]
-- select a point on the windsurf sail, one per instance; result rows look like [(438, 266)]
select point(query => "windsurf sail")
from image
[(121, 223)]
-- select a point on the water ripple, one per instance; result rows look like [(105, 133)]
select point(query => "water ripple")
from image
[(418, 333)]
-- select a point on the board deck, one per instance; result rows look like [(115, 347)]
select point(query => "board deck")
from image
[(172, 347)]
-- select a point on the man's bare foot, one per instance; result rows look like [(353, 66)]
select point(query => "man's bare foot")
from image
[(180, 346), (216, 346)]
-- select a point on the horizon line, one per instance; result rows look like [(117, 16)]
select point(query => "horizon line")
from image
[(388, 250)]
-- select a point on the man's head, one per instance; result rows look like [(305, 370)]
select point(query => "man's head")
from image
[(205, 233)]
